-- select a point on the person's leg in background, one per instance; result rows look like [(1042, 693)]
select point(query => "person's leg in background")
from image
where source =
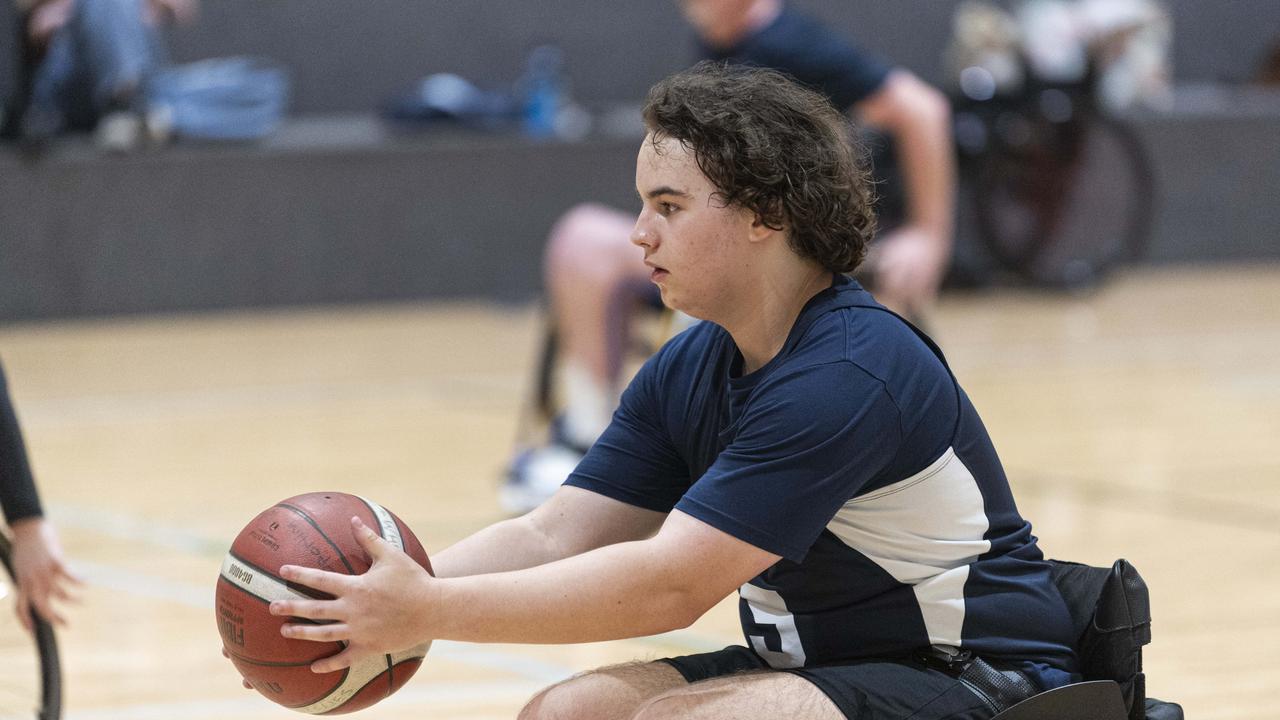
[(121, 47), (94, 72), (56, 75), (594, 278), (593, 275)]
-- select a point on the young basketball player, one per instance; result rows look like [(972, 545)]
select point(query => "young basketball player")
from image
[(594, 279), (803, 446), (38, 564)]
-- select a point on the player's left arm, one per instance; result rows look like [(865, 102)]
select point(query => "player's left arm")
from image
[(622, 590), (912, 260)]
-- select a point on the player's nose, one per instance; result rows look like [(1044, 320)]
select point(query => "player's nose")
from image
[(642, 234)]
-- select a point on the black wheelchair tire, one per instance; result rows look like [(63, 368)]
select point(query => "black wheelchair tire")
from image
[(47, 646), (1020, 237)]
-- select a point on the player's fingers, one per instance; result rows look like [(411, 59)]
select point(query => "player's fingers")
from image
[(247, 685), (59, 592), (23, 608), (371, 541), (333, 663), (329, 632), (62, 571), (46, 610), (309, 609), (328, 582)]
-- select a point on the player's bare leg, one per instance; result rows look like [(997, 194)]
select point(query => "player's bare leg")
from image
[(656, 691), (611, 693), (763, 694)]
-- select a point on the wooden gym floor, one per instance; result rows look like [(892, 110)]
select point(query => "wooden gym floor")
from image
[(1140, 421)]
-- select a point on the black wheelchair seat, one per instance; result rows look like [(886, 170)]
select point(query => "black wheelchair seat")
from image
[(1111, 614)]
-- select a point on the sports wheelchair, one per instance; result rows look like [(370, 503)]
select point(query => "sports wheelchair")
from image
[(1111, 616)]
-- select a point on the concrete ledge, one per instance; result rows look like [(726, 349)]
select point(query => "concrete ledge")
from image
[(330, 210), (342, 209)]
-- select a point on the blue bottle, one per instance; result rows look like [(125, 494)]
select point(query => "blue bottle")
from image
[(543, 87)]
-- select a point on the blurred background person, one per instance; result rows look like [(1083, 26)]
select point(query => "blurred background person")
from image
[(86, 66), (38, 564), (594, 276)]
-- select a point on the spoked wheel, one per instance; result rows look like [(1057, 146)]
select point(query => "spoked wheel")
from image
[(30, 677), (1063, 205)]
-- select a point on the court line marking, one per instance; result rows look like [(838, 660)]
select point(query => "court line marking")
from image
[(1160, 502), (484, 390), (435, 696), (128, 527), (113, 577)]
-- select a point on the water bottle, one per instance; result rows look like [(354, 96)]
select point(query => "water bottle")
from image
[(544, 90)]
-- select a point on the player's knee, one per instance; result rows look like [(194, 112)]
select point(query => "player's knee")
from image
[(546, 705), (669, 706), (570, 700)]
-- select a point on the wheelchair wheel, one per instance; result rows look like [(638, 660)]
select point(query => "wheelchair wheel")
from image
[(30, 676), (1062, 205)]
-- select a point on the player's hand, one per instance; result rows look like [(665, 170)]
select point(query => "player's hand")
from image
[(909, 264), (46, 19), (245, 683), (385, 610), (41, 572)]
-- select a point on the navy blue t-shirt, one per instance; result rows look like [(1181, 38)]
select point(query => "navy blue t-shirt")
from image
[(809, 51), (855, 456)]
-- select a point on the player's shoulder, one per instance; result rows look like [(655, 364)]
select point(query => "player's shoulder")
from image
[(794, 29), (856, 329)]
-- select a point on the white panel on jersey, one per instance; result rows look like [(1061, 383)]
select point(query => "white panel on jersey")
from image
[(768, 608), (924, 531), (941, 599)]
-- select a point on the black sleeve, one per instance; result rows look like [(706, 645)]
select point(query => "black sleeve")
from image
[(18, 495)]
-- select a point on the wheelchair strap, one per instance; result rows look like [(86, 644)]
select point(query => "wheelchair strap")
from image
[(999, 690)]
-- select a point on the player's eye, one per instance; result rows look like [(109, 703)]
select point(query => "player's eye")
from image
[(666, 208)]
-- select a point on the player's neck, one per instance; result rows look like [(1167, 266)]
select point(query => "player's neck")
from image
[(761, 324)]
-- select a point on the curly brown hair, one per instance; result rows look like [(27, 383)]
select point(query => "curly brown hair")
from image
[(773, 147)]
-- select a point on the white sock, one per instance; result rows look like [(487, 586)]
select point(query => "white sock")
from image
[(589, 405)]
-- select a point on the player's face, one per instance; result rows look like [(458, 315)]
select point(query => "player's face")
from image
[(708, 16), (712, 13), (694, 246)]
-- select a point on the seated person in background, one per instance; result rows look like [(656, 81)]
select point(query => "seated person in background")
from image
[(594, 277), (41, 572), (801, 446), (88, 62)]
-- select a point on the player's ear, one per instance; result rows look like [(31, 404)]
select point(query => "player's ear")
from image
[(762, 228)]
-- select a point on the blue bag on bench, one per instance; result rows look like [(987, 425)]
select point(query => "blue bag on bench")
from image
[(235, 98)]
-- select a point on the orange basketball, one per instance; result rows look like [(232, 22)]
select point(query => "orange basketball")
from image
[(312, 530)]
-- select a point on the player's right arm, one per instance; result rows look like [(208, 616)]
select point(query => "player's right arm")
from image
[(572, 522)]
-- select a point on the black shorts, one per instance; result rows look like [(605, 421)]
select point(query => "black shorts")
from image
[(865, 690)]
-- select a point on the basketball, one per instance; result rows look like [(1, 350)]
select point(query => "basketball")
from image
[(311, 530)]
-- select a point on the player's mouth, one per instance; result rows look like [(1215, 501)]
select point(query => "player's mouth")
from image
[(658, 274)]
